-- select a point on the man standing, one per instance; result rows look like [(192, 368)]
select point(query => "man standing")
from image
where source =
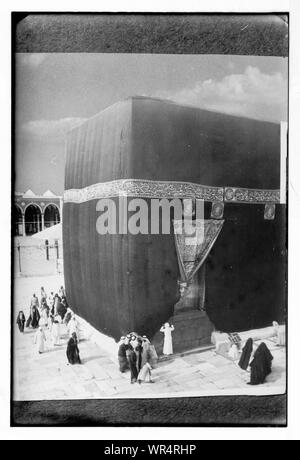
[(131, 356)]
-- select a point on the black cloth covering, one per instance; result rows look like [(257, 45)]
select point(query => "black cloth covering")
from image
[(246, 354), (73, 351), (261, 365), (154, 138)]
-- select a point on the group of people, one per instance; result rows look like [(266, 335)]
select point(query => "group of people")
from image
[(137, 355), (49, 314), (255, 359), (258, 361), (44, 311)]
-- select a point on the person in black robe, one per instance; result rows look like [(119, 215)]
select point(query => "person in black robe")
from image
[(73, 350), (28, 322), (261, 365), (139, 352), (122, 357), (131, 356), (246, 354), (34, 318), (21, 320), (61, 309), (52, 310)]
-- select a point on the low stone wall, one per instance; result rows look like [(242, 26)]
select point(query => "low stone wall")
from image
[(223, 344)]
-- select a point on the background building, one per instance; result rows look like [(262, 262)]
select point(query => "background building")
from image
[(33, 213)]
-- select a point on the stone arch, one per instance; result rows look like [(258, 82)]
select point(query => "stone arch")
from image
[(17, 215), (33, 204), (51, 215), (33, 218)]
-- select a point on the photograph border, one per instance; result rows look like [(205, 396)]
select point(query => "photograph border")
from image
[(230, 411)]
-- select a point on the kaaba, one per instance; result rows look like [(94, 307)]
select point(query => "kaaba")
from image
[(150, 148)]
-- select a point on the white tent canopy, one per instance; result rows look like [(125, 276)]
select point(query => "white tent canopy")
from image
[(51, 233)]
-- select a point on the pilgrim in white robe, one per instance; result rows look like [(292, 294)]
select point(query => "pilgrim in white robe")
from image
[(40, 340), (145, 373), (73, 327), (167, 330), (56, 332)]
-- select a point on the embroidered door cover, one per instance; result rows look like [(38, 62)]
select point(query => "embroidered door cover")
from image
[(194, 240)]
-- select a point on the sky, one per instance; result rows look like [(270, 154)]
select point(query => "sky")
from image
[(55, 92)]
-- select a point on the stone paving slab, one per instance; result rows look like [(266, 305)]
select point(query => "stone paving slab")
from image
[(97, 371)]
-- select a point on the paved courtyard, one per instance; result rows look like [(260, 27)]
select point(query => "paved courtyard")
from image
[(47, 376)]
